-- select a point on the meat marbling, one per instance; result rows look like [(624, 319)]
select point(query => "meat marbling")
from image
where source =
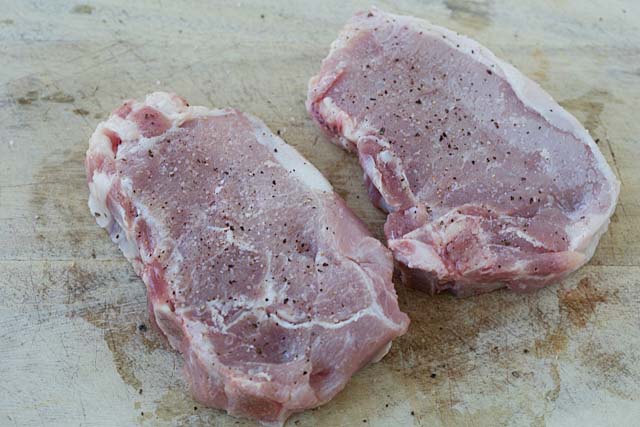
[(256, 271), (488, 182)]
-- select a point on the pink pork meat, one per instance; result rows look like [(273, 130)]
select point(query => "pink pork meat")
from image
[(256, 271), (488, 182)]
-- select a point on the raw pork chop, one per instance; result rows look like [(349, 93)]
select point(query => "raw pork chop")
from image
[(488, 182), (256, 271)]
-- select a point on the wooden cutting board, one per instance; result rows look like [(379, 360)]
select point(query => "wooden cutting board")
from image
[(75, 348)]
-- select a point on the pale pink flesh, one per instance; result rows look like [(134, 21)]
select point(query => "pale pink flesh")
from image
[(487, 181), (275, 293)]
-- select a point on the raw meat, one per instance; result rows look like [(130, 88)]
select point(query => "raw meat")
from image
[(256, 271), (488, 182)]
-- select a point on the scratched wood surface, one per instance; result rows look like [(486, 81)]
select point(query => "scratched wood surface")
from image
[(74, 348)]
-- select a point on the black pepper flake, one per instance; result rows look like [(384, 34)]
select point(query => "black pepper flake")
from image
[(150, 153), (433, 375), (382, 131), (419, 102), (489, 72)]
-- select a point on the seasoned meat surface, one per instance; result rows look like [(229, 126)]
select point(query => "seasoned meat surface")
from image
[(256, 271), (488, 182)]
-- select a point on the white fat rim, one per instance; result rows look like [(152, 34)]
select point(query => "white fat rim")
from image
[(289, 158)]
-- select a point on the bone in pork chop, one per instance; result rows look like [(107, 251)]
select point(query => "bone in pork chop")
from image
[(488, 182), (256, 271)]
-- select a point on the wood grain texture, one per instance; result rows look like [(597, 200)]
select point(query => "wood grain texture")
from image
[(74, 345)]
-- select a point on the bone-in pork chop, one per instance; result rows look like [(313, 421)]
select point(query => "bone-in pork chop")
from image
[(256, 271), (488, 182)]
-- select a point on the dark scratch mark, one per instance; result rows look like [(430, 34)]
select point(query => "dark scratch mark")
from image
[(28, 98), (80, 112), (83, 9), (615, 161), (59, 97), (471, 13)]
